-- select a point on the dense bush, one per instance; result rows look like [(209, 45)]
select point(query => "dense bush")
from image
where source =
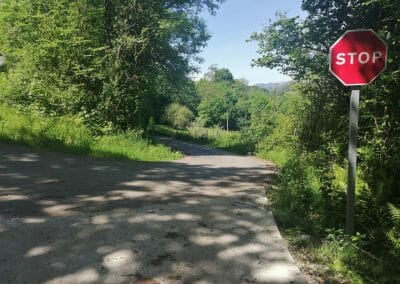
[(178, 116)]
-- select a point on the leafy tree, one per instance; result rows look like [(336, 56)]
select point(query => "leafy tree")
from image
[(262, 118), (109, 61), (215, 110), (219, 94), (219, 75)]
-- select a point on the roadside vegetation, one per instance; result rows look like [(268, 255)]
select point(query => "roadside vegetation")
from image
[(311, 146), (86, 82), (213, 137), (68, 134)]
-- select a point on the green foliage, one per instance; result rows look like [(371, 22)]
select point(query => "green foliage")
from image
[(262, 119), (310, 199), (301, 47), (285, 120), (227, 102), (219, 75), (68, 134), (337, 253), (112, 62), (186, 96), (217, 110), (394, 233), (282, 46), (178, 116), (298, 193), (348, 261)]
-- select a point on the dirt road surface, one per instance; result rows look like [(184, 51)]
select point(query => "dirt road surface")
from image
[(202, 219)]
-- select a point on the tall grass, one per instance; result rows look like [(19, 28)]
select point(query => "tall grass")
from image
[(214, 137), (69, 134)]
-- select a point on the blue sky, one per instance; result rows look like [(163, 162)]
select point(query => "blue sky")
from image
[(234, 22)]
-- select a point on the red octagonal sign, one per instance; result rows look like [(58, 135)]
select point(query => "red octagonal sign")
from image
[(358, 57)]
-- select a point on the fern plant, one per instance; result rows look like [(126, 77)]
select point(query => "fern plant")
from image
[(394, 234)]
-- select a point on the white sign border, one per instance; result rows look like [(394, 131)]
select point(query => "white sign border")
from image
[(336, 42)]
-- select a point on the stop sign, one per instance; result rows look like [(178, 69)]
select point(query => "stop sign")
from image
[(358, 57)]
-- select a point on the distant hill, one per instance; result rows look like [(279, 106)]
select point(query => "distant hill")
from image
[(282, 86)]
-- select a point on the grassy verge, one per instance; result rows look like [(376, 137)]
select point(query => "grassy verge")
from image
[(309, 207), (229, 141), (68, 134)]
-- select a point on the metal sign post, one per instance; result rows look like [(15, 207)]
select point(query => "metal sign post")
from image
[(352, 156)]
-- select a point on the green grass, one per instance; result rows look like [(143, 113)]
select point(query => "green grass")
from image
[(277, 155), (214, 137), (310, 200), (337, 259), (68, 134)]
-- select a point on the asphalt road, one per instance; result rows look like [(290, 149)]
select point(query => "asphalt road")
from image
[(202, 219)]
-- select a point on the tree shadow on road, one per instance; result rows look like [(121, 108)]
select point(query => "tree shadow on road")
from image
[(79, 219)]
